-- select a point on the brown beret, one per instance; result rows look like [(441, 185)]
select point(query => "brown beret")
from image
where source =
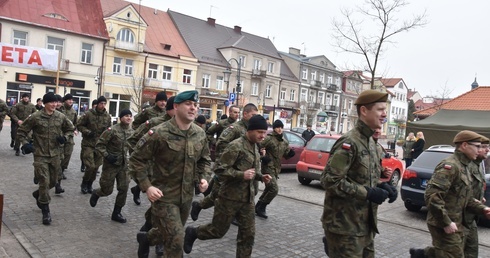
[(467, 136), (371, 96), (485, 140)]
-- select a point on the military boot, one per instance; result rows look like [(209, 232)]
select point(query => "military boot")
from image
[(325, 245), (12, 142), (135, 190), (117, 216), (36, 181), (89, 186), (260, 209), (195, 210), (159, 250), (46, 215), (146, 227), (93, 199), (17, 152), (144, 245), (417, 253), (35, 194), (58, 189), (82, 168), (190, 237), (235, 222), (84, 187), (63, 176)]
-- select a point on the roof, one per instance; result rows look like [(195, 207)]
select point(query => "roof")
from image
[(286, 73), (410, 94), (390, 82), (476, 100), (160, 31), (205, 39), (75, 16)]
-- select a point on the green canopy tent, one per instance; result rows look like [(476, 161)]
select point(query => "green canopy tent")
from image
[(441, 127)]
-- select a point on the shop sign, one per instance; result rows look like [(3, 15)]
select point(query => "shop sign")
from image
[(29, 57)]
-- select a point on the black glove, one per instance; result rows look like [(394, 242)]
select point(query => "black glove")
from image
[(91, 134), (61, 139), (376, 194), (111, 158), (392, 192), (291, 153), (265, 160), (27, 148)]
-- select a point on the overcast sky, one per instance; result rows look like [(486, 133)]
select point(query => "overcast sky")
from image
[(443, 56)]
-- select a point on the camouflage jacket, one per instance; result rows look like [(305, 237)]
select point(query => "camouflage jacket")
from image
[(147, 114), (449, 192), (143, 129), (71, 114), (4, 109), (93, 121), (233, 132), (353, 165), (21, 111), (477, 185), (237, 157), (218, 129), (180, 159), (45, 128), (113, 141), (276, 146)]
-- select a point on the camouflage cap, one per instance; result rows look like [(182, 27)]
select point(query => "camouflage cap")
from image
[(467, 136), (192, 95), (485, 140), (371, 96)]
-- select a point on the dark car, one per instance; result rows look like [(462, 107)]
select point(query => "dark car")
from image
[(316, 154), (300, 130), (415, 178)]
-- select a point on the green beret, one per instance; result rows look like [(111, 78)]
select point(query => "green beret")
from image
[(187, 95), (485, 140), (371, 96), (467, 136)]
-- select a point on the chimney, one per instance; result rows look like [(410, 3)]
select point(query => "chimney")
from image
[(238, 29), (211, 21), (294, 51)]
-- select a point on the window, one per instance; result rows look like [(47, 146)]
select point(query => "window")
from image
[(270, 67), (128, 69), (282, 95), (167, 73), (330, 79), (304, 94), (337, 81), (329, 98), (219, 82), (186, 78), (241, 59), (152, 71), (321, 97), (206, 78), (20, 38), (240, 90), (268, 91), (350, 104), (400, 85), (336, 100), (322, 77), (292, 95), (257, 64), (86, 53), (255, 89), (56, 44), (116, 65), (125, 35), (304, 74), (313, 76)]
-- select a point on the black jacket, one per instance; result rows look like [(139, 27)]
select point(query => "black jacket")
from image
[(418, 148), (307, 135)]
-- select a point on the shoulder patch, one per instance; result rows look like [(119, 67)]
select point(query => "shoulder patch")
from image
[(108, 129), (231, 126), (147, 122), (448, 167), (150, 132), (345, 146)]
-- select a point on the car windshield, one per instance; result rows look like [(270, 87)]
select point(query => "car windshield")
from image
[(321, 144), (430, 159)]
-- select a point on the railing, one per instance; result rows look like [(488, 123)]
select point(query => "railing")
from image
[(65, 65), (214, 93), (164, 84), (332, 87), (331, 108), (258, 73), (128, 46), (316, 83), (314, 105)]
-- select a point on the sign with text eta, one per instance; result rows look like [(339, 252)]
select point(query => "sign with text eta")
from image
[(29, 57)]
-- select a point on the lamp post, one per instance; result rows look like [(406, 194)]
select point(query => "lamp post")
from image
[(227, 74)]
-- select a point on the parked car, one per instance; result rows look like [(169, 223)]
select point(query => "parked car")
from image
[(300, 130), (316, 154), (296, 142), (415, 178)]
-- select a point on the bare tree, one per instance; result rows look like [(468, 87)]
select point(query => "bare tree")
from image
[(353, 35), (135, 90)]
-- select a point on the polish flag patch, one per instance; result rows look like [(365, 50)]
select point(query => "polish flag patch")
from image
[(345, 146), (447, 167), (108, 129), (147, 122), (150, 132)]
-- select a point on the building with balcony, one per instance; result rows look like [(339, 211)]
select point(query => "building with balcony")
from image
[(55, 25), (351, 88), (398, 108)]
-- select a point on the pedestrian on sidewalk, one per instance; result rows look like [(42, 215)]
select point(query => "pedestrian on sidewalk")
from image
[(50, 129), (418, 146), (407, 149), (113, 146)]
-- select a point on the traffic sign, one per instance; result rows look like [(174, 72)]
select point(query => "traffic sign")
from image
[(232, 97), (227, 103)]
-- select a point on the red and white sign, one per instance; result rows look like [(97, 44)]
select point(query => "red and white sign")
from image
[(29, 57)]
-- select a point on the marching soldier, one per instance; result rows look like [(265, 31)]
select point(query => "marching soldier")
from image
[(68, 110), (4, 109), (222, 124), (82, 167), (148, 113), (20, 112)]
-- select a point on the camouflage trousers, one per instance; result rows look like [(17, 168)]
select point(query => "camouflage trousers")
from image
[(224, 212), (445, 245), (111, 173), (347, 246), (46, 170), (1, 123), (92, 160), (13, 130), (208, 201), (471, 241), (67, 151), (270, 191), (168, 222)]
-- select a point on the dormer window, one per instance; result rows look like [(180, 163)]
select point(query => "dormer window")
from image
[(128, 15), (125, 35)]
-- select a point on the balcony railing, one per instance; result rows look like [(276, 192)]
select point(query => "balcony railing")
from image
[(315, 83), (163, 84), (314, 105), (128, 46), (214, 93), (332, 87), (331, 108), (65, 65), (258, 73)]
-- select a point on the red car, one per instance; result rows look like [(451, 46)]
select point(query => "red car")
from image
[(315, 157)]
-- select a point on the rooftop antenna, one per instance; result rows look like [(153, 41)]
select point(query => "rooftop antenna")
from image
[(304, 48), (211, 9)]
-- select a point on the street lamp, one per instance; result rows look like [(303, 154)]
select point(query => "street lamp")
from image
[(227, 74)]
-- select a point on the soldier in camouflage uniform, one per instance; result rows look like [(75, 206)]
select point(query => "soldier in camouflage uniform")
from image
[(233, 132), (351, 181), (82, 166), (181, 159), (68, 110), (92, 124), (20, 112), (4, 109), (113, 146), (276, 147), (238, 166), (148, 113), (50, 129), (217, 129)]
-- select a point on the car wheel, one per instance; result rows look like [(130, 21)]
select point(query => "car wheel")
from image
[(304, 181), (395, 177), (412, 207)]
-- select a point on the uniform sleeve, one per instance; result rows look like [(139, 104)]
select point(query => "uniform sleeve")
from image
[(138, 133), (67, 128), (139, 119), (13, 114), (24, 129), (212, 131), (82, 125), (437, 189), (141, 156), (226, 168), (228, 135), (3, 109), (102, 142), (204, 163), (334, 177)]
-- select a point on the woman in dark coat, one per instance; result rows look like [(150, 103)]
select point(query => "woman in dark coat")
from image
[(418, 146)]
